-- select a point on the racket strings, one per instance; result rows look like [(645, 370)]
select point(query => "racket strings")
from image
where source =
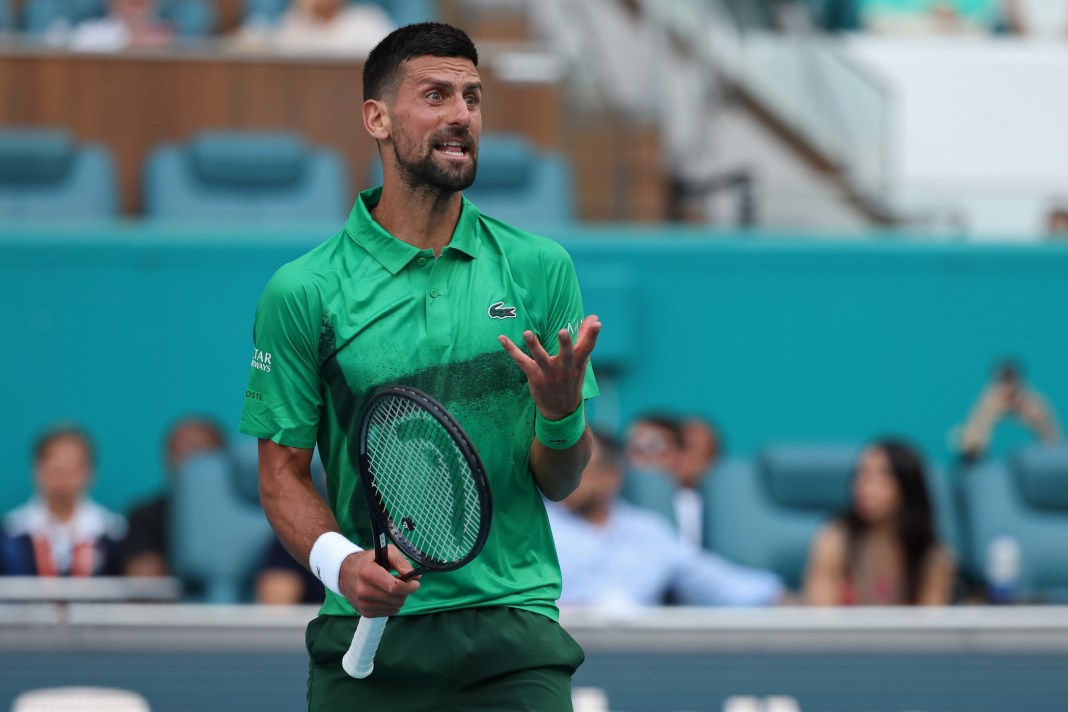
[(423, 480)]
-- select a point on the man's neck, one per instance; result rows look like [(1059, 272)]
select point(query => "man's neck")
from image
[(422, 218)]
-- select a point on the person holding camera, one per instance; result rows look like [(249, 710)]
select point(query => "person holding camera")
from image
[(1006, 396)]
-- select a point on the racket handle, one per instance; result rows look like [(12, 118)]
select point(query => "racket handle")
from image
[(359, 661)]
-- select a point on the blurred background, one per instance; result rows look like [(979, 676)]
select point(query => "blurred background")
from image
[(808, 226)]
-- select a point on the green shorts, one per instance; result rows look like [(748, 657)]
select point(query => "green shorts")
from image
[(468, 660)]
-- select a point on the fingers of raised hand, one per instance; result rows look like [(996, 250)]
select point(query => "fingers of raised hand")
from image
[(522, 360), (537, 351), (589, 330)]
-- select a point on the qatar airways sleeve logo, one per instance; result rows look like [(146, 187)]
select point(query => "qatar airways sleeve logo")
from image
[(261, 360)]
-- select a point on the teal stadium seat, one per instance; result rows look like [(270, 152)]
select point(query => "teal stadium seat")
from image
[(262, 178), (403, 12), (517, 183), (406, 12), (1025, 496), (263, 12), (654, 491), (218, 530), (190, 18), (45, 175), (766, 510), (42, 15)]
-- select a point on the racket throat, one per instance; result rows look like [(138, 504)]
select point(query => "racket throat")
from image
[(381, 555)]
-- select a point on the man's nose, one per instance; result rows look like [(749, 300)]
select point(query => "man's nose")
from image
[(459, 112)]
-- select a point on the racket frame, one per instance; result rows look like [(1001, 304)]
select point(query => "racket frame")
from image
[(358, 662), (382, 524)]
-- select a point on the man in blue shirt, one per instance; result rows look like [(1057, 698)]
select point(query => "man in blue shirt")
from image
[(617, 555)]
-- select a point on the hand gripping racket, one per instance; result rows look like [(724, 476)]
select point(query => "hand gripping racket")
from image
[(425, 487)]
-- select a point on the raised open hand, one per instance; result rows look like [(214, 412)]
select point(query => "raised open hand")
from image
[(556, 381)]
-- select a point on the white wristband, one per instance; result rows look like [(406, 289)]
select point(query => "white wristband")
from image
[(326, 556)]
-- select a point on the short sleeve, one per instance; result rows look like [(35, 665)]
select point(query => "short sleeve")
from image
[(565, 312), (283, 399)]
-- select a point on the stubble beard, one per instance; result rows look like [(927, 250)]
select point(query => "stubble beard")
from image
[(426, 174)]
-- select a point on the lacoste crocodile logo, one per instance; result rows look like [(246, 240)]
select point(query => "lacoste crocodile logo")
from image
[(499, 311)]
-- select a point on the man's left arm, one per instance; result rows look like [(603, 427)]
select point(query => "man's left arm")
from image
[(562, 443)]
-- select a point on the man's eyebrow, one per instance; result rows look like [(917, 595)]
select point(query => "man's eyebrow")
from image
[(445, 84)]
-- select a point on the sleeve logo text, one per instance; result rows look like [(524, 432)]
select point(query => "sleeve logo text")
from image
[(261, 360)]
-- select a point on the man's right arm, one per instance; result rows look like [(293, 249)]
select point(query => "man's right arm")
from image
[(299, 517)]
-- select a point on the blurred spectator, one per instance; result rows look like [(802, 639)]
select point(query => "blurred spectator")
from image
[(323, 27), (1038, 18), (16, 555), (654, 443), (929, 17), (283, 581), (61, 531), (883, 549), (1057, 223), (1006, 396), (615, 555), (147, 545), (701, 449), (128, 24)]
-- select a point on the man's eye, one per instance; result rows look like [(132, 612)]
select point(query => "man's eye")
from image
[(472, 101), (434, 96)]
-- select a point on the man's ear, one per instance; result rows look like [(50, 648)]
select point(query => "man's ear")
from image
[(376, 119)]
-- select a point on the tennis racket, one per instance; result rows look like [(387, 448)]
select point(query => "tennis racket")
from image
[(425, 488)]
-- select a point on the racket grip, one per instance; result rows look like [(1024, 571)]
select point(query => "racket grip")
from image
[(359, 661)]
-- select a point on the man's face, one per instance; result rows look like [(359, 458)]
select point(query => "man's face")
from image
[(651, 447), (135, 13), (436, 122), (190, 439)]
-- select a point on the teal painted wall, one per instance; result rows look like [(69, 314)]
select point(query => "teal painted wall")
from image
[(777, 339)]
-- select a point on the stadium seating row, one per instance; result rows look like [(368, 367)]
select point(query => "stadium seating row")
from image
[(190, 18), (251, 178), (765, 510)]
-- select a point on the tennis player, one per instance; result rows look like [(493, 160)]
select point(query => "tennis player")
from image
[(420, 288)]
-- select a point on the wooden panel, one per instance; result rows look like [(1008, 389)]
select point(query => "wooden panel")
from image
[(134, 101), (618, 171)]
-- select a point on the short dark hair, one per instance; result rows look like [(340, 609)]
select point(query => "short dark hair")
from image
[(60, 432), (199, 420), (381, 71)]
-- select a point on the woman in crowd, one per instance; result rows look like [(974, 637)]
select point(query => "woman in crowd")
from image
[(883, 550)]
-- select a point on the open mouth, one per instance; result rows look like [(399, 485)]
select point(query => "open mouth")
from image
[(452, 149)]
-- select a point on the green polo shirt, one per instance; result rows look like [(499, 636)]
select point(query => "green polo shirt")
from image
[(364, 310)]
